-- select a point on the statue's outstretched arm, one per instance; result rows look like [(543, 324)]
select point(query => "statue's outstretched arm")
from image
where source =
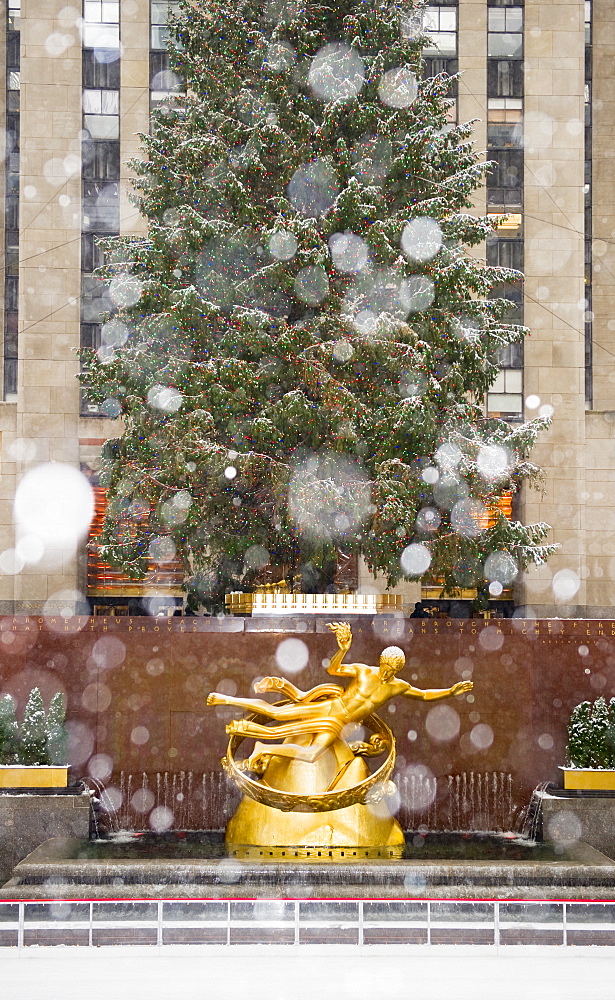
[(343, 635), (280, 685), (283, 686), (434, 694)]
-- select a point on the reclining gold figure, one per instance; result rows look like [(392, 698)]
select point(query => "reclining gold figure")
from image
[(315, 790), (326, 710)]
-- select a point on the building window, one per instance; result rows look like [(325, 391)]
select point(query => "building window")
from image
[(94, 299), (11, 215), (505, 87), (90, 335), (11, 294), (92, 256), (101, 207), (505, 397), (440, 23), (504, 122), (12, 90), (101, 110), (101, 162), (589, 316), (505, 37), (505, 78), (165, 85), (101, 28), (13, 14), (505, 253), (440, 56), (510, 356), (505, 187), (12, 49), (160, 10), (506, 405), (513, 291), (434, 65), (97, 74)]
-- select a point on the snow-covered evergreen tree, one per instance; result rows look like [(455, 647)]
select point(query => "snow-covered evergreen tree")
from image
[(33, 741), (9, 731), (301, 344), (56, 734)]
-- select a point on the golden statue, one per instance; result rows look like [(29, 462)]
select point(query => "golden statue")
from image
[(316, 770)]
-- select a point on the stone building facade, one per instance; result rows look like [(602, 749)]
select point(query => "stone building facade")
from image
[(81, 76)]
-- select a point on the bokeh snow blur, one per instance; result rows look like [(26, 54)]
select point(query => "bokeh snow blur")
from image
[(329, 496), (52, 510)]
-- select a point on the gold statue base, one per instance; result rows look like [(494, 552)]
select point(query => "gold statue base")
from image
[(317, 855), (353, 833)]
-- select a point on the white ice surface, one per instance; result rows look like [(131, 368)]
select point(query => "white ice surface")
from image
[(441, 973)]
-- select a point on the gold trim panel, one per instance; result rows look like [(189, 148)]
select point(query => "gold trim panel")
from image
[(239, 603)]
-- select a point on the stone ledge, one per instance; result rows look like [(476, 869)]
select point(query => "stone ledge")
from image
[(567, 819), (27, 820)]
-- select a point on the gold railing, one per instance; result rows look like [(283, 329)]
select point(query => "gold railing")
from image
[(239, 603)]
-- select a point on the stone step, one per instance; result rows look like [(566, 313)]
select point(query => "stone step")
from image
[(56, 870), (455, 891)]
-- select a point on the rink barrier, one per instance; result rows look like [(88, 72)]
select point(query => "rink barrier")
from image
[(297, 922)]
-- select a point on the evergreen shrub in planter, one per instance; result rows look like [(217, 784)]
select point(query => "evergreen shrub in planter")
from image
[(33, 754), (590, 751)]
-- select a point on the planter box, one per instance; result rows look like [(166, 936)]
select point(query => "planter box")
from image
[(28, 818), (588, 779), (33, 776)]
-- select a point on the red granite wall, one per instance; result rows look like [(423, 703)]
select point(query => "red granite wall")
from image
[(136, 692)]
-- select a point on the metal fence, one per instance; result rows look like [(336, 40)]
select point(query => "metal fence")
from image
[(297, 922)]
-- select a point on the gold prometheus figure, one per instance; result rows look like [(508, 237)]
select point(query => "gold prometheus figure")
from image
[(324, 712)]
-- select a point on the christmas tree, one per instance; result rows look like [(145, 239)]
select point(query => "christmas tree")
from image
[(300, 346)]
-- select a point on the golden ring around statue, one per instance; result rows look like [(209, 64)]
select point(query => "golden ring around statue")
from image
[(322, 801)]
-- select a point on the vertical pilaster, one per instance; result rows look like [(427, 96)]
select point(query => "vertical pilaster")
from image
[(7, 410), (472, 53), (554, 286), (603, 201), (49, 274), (134, 106), (600, 453)]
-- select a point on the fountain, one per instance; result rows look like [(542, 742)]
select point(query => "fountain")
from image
[(276, 825), (161, 830), (470, 802)]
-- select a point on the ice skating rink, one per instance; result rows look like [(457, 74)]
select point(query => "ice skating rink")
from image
[(461, 973)]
